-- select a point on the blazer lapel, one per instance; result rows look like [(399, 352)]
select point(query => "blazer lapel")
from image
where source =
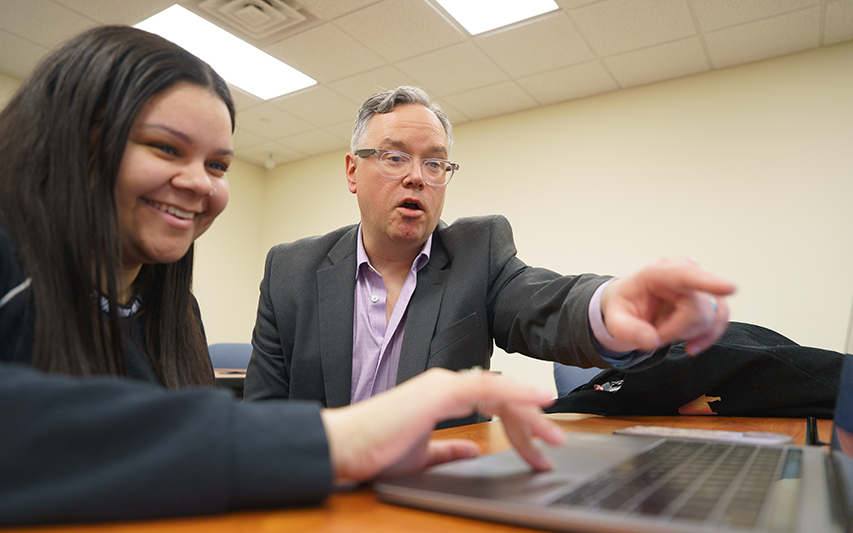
[(423, 312), (336, 288)]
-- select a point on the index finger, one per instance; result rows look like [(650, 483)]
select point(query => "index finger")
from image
[(523, 423), (688, 275)]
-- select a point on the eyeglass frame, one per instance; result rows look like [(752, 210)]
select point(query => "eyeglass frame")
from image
[(379, 152)]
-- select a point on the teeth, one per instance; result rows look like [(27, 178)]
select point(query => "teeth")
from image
[(172, 210)]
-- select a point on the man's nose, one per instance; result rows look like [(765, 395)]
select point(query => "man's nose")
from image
[(415, 175)]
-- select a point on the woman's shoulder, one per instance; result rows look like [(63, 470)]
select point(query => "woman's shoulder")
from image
[(16, 318), (11, 269), (5, 239)]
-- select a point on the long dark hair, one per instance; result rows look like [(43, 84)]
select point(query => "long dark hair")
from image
[(62, 139)]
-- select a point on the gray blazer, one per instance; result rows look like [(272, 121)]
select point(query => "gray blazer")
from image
[(474, 291)]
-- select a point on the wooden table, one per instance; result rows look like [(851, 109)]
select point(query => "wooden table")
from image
[(359, 510), (230, 378)]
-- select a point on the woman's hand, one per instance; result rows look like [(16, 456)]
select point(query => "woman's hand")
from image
[(390, 432)]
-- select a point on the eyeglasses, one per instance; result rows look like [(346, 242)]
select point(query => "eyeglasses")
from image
[(394, 164)]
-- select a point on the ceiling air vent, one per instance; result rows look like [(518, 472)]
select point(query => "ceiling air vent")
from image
[(260, 22)]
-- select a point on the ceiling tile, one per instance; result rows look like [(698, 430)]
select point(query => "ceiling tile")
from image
[(491, 101), (397, 29), (19, 55), (325, 53), (242, 99), (317, 105), (617, 26), (315, 142), (244, 139), (358, 47), (546, 44), (455, 69), (572, 4), (343, 129), (764, 39), (330, 9), (112, 12), (8, 87), (360, 86), (271, 123), (568, 83), (42, 21), (259, 154), (456, 116), (839, 22), (716, 14), (656, 63)]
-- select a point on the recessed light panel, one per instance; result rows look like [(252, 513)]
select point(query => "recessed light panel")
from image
[(478, 16), (240, 63)]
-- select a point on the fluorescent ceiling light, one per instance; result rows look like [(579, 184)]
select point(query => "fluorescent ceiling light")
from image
[(478, 16), (240, 63)]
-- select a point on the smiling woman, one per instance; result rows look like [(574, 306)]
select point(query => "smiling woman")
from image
[(116, 150), (171, 184)]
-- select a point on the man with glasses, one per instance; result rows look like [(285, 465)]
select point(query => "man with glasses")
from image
[(352, 313)]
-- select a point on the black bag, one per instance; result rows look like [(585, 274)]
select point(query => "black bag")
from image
[(750, 371)]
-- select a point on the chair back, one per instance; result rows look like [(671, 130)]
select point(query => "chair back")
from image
[(230, 355), (568, 378)]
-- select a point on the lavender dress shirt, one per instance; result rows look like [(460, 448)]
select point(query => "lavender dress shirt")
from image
[(375, 346)]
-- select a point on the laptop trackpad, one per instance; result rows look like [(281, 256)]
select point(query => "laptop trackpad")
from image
[(505, 476)]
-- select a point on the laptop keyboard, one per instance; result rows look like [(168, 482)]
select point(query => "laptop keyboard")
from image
[(717, 483)]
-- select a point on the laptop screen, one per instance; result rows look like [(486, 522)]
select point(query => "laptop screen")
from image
[(842, 433)]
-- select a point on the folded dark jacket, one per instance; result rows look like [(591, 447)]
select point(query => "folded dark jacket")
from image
[(750, 371)]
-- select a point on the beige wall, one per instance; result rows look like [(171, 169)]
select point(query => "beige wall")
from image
[(229, 260), (747, 169), (307, 197)]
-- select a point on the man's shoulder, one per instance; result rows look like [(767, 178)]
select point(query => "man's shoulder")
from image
[(475, 224), (475, 235)]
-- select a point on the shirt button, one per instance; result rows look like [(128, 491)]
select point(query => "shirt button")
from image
[(374, 298)]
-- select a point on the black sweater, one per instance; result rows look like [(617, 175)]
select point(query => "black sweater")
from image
[(107, 448)]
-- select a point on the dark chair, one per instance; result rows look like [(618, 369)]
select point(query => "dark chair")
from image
[(568, 378), (230, 355), (230, 361)]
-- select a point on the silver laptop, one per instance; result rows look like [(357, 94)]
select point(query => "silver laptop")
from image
[(627, 483)]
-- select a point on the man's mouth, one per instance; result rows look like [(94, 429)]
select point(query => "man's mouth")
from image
[(172, 210), (411, 205)]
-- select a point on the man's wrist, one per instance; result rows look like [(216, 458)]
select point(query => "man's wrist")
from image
[(613, 348)]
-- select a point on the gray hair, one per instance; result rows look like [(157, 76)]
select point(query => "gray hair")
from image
[(385, 102)]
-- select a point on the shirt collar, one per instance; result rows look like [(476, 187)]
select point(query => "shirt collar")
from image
[(123, 311), (361, 255)]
